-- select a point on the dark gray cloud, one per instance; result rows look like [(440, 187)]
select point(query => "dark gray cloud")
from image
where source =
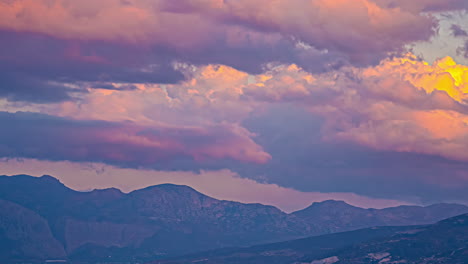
[(38, 68), (425, 5), (20, 87), (458, 31), (463, 50)]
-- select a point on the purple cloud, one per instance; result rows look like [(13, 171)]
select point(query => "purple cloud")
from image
[(30, 135)]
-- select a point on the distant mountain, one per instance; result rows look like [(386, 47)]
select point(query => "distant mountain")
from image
[(338, 216), (168, 220), (445, 242)]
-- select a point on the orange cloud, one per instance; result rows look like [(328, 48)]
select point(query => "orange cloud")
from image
[(444, 75)]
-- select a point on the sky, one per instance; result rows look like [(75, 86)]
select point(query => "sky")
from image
[(273, 101)]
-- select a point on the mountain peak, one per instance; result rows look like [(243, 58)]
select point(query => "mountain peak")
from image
[(173, 186), (50, 179), (109, 192), (329, 207), (23, 179), (169, 187), (170, 193), (331, 203)]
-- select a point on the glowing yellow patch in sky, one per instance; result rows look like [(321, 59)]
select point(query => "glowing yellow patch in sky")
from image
[(444, 75)]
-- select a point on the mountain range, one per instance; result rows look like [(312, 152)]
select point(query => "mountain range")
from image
[(164, 221)]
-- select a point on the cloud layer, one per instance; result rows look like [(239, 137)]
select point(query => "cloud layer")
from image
[(402, 104), (325, 31)]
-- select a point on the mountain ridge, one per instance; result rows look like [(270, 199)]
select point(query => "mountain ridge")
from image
[(164, 220), (49, 178)]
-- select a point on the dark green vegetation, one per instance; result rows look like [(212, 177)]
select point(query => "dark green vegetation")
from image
[(443, 243), (41, 219)]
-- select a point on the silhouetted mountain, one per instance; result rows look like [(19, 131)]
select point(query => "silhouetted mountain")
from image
[(443, 243), (167, 220)]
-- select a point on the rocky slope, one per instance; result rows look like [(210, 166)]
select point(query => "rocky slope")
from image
[(445, 242), (24, 235), (168, 220)]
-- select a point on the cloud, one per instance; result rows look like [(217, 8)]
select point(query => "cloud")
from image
[(458, 31), (403, 104), (303, 160), (63, 43), (410, 106), (463, 50), (355, 28), (365, 36), (220, 184), (38, 68), (425, 5), (210, 97), (17, 87), (30, 135)]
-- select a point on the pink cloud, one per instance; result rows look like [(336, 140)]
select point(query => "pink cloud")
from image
[(28, 135), (356, 28)]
